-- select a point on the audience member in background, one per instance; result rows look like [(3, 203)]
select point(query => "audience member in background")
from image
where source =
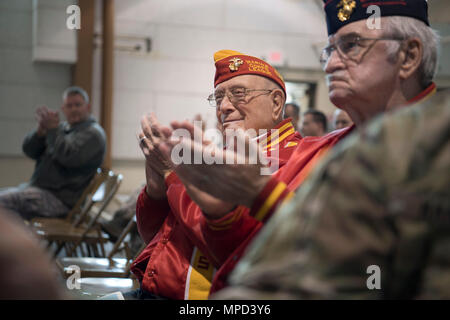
[(67, 155), (341, 119), (314, 123), (292, 110), (26, 270)]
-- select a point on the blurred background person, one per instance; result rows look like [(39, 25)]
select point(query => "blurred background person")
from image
[(292, 110), (314, 123), (67, 155), (341, 119)]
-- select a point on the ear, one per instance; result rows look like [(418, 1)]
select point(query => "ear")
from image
[(410, 58), (277, 104), (89, 106)]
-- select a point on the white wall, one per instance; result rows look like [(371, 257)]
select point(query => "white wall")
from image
[(24, 84)]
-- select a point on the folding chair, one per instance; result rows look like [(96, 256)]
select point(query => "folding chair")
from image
[(81, 228), (103, 267), (41, 224)]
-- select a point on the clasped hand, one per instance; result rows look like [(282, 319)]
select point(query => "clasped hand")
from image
[(47, 119)]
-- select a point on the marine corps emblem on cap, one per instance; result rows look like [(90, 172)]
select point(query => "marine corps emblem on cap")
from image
[(347, 9), (235, 64)]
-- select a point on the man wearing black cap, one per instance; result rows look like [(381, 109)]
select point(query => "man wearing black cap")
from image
[(374, 70), (369, 71)]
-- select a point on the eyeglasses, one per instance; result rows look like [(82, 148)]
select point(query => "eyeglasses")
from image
[(350, 48), (235, 95)]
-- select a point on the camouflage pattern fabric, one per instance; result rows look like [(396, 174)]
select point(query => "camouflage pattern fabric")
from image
[(381, 198)]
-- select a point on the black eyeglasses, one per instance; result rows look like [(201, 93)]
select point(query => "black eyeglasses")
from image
[(235, 95), (350, 48)]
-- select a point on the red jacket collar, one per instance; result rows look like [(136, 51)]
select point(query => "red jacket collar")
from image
[(285, 129), (428, 92)]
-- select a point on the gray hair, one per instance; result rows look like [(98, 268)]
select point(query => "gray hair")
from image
[(407, 28), (76, 90)]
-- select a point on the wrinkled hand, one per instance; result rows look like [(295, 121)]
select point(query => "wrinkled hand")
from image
[(213, 208), (156, 164), (39, 115), (238, 183), (151, 136), (47, 119), (52, 121), (156, 186)]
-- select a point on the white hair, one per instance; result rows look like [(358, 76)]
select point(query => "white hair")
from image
[(407, 28)]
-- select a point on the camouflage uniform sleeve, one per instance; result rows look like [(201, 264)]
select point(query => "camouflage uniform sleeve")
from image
[(360, 227)]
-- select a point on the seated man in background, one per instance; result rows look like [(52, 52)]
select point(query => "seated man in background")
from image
[(314, 124), (341, 119), (67, 155), (292, 110), (373, 222)]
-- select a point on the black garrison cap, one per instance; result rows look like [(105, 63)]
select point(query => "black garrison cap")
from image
[(342, 12)]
